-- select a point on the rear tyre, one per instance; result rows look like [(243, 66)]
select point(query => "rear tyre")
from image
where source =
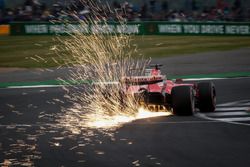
[(183, 101), (143, 96), (206, 97)]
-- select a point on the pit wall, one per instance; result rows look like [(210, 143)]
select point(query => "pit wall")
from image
[(136, 28)]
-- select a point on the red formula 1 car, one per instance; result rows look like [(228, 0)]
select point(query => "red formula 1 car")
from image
[(156, 92)]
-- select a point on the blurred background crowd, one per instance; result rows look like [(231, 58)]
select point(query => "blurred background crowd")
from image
[(131, 10)]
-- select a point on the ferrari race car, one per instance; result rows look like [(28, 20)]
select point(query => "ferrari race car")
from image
[(156, 93)]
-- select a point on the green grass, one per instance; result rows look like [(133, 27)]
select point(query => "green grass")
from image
[(16, 51), (162, 46)]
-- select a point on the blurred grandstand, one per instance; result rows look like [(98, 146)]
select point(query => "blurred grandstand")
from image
[(131, 10)]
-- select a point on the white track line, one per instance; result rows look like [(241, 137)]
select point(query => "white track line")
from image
[(234, 103), (233, 109), (234, 119), (52, 86), (200, 115), (202, 79), (34, 86), (248, 103), (238, 113), (205, 79)]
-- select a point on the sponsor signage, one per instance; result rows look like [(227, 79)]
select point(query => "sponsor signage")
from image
[(136, 28), (204, 29), (46, 28)]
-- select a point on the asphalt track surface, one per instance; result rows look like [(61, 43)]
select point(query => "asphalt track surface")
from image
[(28, 135), (164, 141)]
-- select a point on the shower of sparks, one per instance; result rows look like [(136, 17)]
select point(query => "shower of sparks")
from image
[(116, 121), (102, 60), (98, 102)]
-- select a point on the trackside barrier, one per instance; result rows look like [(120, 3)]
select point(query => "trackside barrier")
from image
[(136, 28)]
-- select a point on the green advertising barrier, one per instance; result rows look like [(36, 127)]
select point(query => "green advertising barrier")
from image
[(20, 28), (137, 28)]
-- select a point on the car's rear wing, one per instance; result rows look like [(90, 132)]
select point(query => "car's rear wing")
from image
[(156, 66), (143, 80)]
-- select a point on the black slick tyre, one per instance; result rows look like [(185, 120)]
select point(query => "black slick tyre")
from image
[(206, 96), (183, 101)]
